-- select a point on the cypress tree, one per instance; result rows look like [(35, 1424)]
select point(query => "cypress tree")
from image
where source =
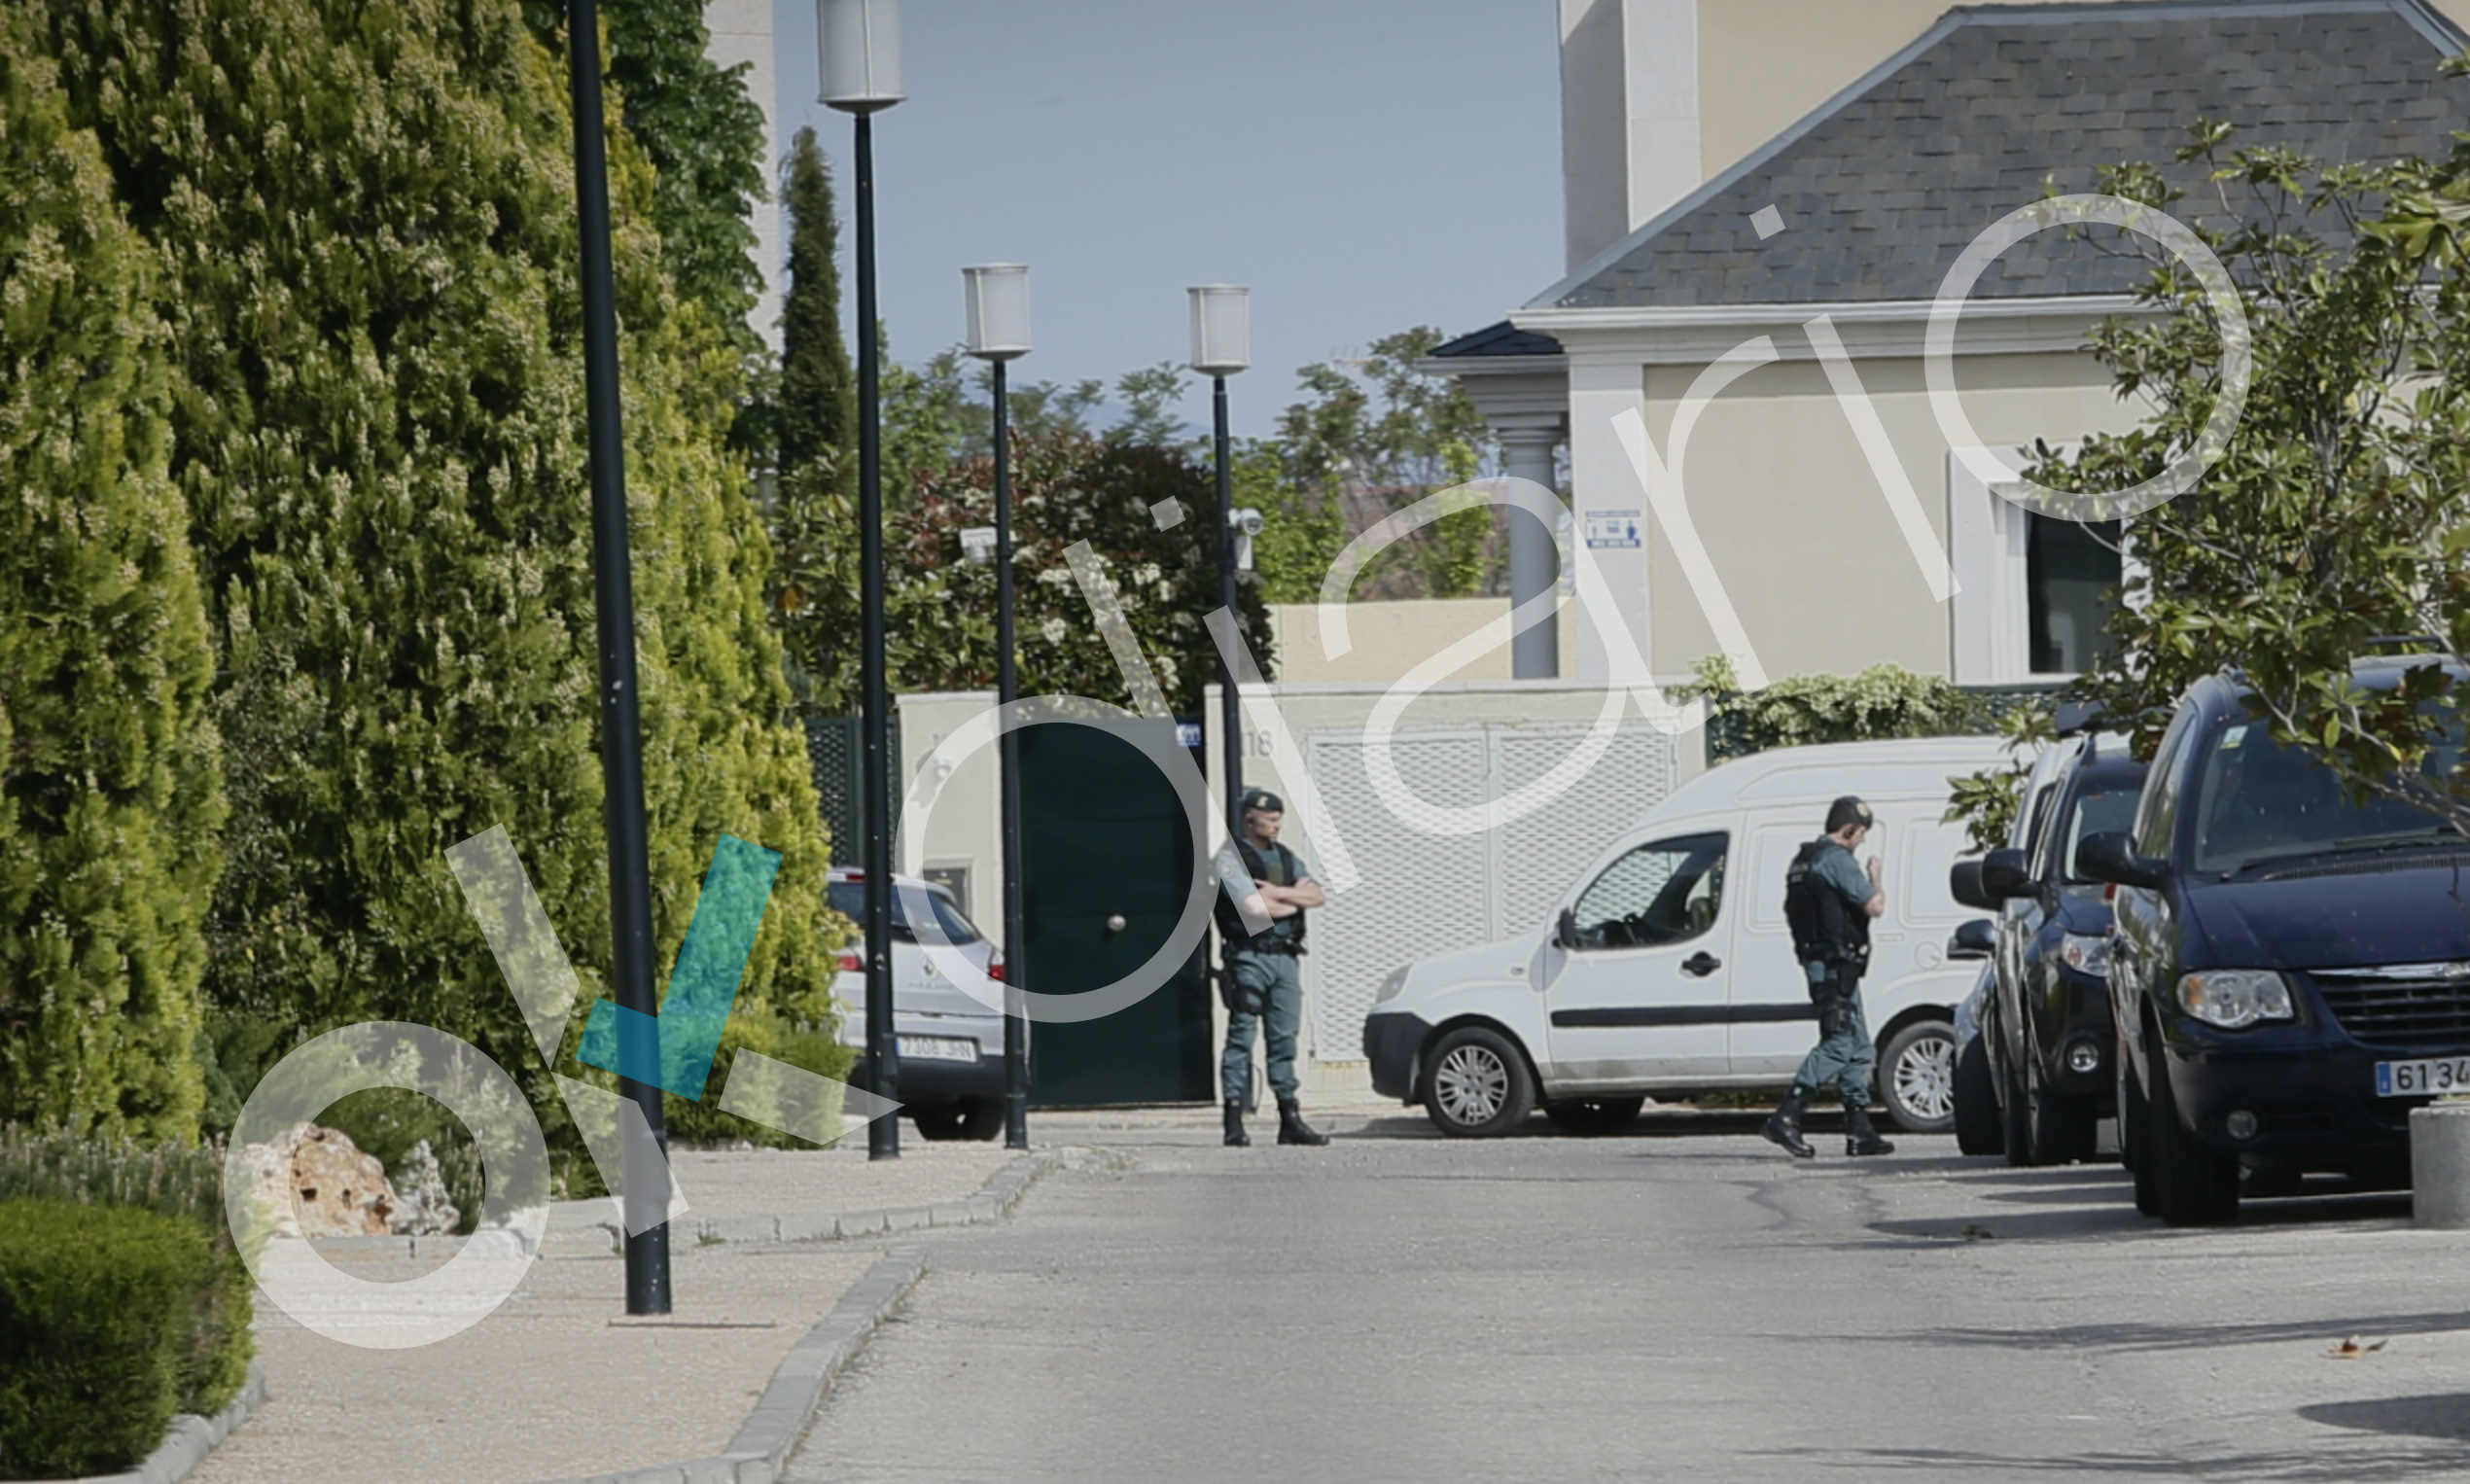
[(109, 791), (814, 517), (372, 254), (818, 403)]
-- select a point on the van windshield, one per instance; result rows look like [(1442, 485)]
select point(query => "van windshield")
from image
[(2259, 800), (849, 900)]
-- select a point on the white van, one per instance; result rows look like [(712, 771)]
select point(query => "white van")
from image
[(1667, 966)]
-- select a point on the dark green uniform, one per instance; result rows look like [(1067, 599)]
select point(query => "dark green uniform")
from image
[(1265, 978), (1844, 1055)]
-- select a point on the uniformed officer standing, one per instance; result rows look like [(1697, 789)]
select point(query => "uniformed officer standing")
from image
[(1260, 922), (1829, 903)]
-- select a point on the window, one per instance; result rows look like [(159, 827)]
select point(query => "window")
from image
[(1664, 893), (849, 900), (2111, 808), (2033, 593), (2072, 574), (2157, 816), (2260, 801)]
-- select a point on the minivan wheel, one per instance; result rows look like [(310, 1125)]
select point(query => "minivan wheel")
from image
[(2135, 1120), (2063, 1130), (1478, 1085), (1593, 1115), (1977, 1129), (2016, 1129), (2192, 1185)]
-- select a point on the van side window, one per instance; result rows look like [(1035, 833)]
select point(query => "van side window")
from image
[(1666, 892), (2157, 816)]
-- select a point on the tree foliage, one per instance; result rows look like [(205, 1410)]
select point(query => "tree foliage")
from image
[(1375, 435), (110, 791), (1067, 487), (2339, 509), (704, 140), (371, 274)]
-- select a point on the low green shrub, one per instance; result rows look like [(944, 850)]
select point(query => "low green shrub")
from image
[(98, 1306), (176, 1182)]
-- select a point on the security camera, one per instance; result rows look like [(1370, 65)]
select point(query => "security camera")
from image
[(1246, 524)]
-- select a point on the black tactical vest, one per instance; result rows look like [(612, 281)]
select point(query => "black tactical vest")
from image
[(1825, 927), (1232, 930)]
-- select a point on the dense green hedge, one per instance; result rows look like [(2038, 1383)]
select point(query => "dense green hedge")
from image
[(98, 1315), (172, 1182)]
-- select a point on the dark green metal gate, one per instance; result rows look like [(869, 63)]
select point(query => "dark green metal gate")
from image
[(1104, 837)]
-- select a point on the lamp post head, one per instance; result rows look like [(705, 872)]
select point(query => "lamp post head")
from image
[(1221, 329), (997, 310), (860, 42)]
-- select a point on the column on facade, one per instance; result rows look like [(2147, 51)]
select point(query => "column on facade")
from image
[(1608, 507), (1528, 441)]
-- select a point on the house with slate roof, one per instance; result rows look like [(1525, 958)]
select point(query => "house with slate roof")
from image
[(1765, 197)]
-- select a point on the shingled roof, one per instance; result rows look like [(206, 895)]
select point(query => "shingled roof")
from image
[(1881, 187)]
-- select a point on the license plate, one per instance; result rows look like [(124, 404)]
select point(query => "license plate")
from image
[(939, 1048), (2440, 1074)]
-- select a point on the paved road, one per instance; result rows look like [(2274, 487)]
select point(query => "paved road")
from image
[(1683, 1305)]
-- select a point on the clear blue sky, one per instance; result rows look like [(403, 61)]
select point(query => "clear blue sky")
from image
[(1362, 165)]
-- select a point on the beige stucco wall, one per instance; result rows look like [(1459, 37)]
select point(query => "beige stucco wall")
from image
[(1797, 526), (1762, 64), (1387, 640)]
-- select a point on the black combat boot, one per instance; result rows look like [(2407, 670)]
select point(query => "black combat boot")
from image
[(1783, 1125), (1291, 1127), (1859, 1138), (1236, 1138)]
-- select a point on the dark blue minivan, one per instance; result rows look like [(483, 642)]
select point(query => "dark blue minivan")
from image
[(2291, 970)]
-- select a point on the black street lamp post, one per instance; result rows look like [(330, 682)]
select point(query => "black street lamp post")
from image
[(621, 725), (860, 42), (997, 333), (1221, 347)]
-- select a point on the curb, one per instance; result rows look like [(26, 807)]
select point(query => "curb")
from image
[(190, 1439), (772, 1431), (992, 1202), (763, 1445)]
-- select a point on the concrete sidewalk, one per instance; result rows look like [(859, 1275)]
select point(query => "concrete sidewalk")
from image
[(559, 1382)]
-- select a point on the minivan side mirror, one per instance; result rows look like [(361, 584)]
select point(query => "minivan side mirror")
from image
[(1564, 933), (2110, 856), (1963, 883), (1974, 939), (2002, 874)]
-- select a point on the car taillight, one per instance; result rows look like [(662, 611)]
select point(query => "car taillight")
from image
[(849, 962), (995, 969)]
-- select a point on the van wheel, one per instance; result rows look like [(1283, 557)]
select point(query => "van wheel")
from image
[(1593, 1115), (1976, 1130), (2192, 1186), (1917, 1078), (1478, 1085)]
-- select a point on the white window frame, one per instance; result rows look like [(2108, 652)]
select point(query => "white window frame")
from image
[(1990, 615)]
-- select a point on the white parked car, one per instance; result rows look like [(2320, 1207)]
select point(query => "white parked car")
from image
[(951, 1034), (1667, 967)]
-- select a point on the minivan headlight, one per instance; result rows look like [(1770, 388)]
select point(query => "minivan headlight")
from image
[(2232, 998), (2086, 953), (1391, 986)]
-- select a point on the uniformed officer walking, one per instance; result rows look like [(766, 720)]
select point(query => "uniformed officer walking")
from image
[(1265, 893), (1829, 903)]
